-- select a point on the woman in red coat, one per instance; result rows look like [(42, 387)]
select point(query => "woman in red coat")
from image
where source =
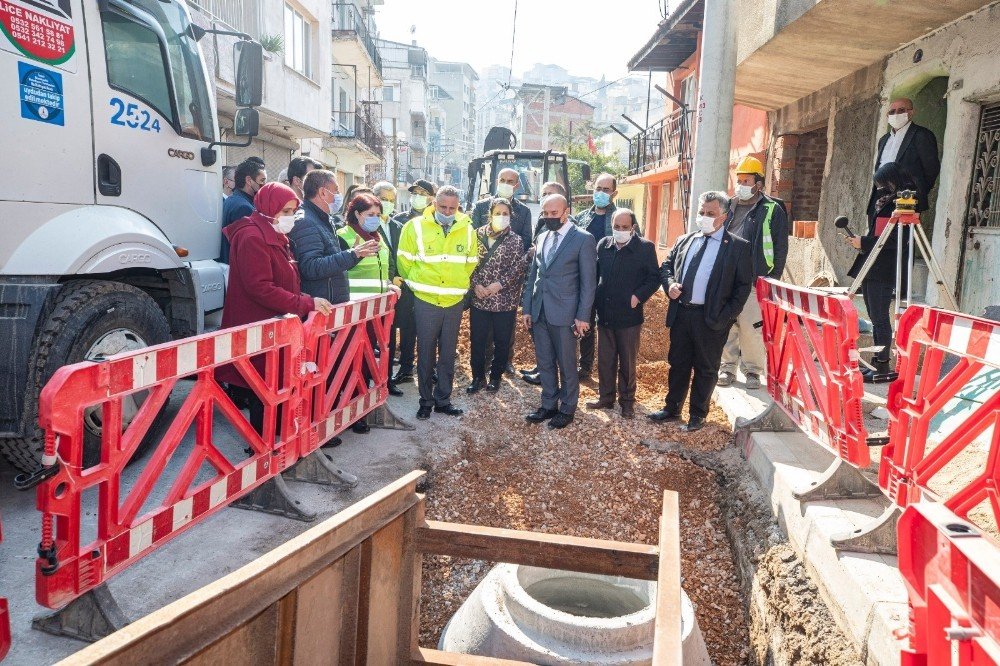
[(263, 280)]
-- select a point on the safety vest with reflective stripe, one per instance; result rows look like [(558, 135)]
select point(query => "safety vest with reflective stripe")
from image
[(371, 274), (437, 267)]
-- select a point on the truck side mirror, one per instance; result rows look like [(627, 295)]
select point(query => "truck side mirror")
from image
[(246, 122), (249, 58)]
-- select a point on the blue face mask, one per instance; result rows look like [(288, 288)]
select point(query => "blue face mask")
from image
[(444, 219), (337, 203), (371, 223), (602, 199)]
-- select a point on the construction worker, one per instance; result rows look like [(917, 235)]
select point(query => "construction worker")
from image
[(762, 221), (421, 195), (436, 257)]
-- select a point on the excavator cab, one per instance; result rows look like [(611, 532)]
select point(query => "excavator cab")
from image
[(534, 168)]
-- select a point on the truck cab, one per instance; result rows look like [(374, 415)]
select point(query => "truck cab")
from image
[(110, 196)]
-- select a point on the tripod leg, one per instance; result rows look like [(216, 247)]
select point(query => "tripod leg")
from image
[(925, 250), (899, 266), (870, 261)]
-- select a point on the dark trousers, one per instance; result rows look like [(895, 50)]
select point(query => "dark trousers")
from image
[(404, 324), (878, 299), (486, 327), (587, 344), (246, 399), (694, 347), (617, 353), (555, 349), (437, 337)]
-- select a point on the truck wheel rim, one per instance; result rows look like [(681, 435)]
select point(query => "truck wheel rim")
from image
[(116, 341)]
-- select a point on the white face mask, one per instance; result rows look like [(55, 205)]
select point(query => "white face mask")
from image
[(418, 201), (500, 222), (284, 223), (505, 190), (621, 237), (744, 192), (897, 120), (706, 224)]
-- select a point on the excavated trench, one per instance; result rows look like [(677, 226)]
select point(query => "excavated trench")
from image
[(603, 477)]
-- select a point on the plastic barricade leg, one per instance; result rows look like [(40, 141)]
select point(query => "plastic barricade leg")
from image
[(952, 575), (136, 516), (944, 413)]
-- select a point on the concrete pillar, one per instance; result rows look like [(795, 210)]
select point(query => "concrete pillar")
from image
[(716, 93)]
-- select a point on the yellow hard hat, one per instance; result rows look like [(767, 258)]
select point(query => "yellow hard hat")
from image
[(750, 164)]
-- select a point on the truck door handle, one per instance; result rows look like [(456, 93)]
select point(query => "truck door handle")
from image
[(109, 176)]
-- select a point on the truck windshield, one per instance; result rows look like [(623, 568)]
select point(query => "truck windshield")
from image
[(531, 175), (138, 60)]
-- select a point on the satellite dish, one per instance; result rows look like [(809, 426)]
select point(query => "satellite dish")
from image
[(508, 93)]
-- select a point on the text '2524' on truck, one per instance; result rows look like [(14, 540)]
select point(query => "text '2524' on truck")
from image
[(110, 191)]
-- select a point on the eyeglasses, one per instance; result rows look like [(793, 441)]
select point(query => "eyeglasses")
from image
[(896, 112)]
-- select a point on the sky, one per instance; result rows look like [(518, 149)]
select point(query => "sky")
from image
[(562, 32)]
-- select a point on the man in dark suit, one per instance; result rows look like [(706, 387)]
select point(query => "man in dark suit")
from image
[(508, 182), (558, 299), (708, 276), (913, 148)]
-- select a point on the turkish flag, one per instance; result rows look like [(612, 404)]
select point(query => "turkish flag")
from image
[(591, 146)]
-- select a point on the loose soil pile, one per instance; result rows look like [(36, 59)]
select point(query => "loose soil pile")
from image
[(594, 479)]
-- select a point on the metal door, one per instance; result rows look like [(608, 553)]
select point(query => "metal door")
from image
[(981, 254)]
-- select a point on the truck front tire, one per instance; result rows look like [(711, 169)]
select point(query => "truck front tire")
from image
[(85, 313)]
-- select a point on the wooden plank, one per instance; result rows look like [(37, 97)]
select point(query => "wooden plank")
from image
[(667, 647), (409, 591), (318, 621), (438, 658), (364, 599), (287, 620), (348, 607), (552, 551), (252, 643), (187, 626), (384, 593)]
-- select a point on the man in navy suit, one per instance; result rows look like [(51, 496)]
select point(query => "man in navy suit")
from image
[(558, 299)]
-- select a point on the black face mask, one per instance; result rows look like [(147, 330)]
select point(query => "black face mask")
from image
[(552, 223)]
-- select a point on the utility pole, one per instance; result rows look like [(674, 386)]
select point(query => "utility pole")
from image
[(545, 119), (716, 95), (395, 154)]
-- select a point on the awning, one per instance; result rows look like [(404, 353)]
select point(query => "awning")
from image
[(675, 40)]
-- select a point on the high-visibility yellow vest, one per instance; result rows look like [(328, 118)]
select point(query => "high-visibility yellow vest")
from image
[(436, 267), (768, 241), (371, 274)]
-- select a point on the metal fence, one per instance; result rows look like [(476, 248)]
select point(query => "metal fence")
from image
[(661, 142), (347, 18), (243, 16), (363, 124)]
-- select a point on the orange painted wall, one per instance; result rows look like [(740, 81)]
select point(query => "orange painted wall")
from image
[(750, 136)]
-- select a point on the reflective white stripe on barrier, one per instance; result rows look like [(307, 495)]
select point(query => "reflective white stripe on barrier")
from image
[(442, 291)]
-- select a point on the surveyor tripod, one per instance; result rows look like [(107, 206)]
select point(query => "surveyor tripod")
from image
[(905, 222)]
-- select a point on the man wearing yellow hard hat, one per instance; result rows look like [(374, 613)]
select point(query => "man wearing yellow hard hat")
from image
[(762, 221)]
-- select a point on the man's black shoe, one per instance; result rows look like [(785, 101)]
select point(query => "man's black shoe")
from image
[(402, 377), (493, 386), (450, 410), (534, 379), (693, 424), (336, 441), (532, 371), (395, 390), (361, 428), (424, 413), (663, 416), (540, 415), (476, 386), (560, 421), (510, 369)]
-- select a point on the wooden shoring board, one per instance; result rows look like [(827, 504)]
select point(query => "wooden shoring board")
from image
[(193, 624)]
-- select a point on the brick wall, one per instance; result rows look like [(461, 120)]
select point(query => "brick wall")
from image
[(809, 164)]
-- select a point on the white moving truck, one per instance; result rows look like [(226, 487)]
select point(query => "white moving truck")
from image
[(110, 190)]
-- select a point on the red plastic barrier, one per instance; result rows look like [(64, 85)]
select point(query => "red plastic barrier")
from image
[(918, 401), (4, 619), (952, 575), (126, 532), (315, 384), (812, 365), (337, 392)]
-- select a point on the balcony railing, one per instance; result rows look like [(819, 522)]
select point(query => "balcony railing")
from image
[(363, 124), (662, 142), (242, 16), (347, 18)]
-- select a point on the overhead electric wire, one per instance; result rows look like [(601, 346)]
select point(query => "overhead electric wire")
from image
[(513, 39)]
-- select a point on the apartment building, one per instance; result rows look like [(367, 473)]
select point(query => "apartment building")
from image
[(404, 98)]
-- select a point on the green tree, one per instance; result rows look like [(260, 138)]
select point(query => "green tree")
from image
[(575, 144)]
